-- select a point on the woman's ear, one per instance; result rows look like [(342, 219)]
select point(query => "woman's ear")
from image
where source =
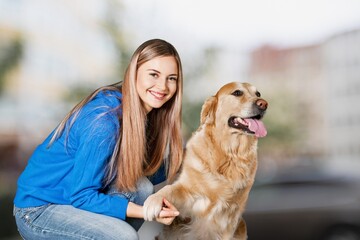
[(208, 111)]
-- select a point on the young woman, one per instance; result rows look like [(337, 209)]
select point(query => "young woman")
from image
[(91, 175)]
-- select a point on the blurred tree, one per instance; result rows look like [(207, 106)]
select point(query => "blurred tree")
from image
[(283, 137), (198, 70), (120, 38), (112, 25), (77, 93), (191, 117), (10, 56)]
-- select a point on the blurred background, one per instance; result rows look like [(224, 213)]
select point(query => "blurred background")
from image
[(303, 56)]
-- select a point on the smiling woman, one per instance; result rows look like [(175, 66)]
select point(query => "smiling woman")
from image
[(113, 146), (157, 81)]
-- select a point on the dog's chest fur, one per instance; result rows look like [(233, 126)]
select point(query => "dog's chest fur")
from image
[(212, 215), (219, 188), (229, 164)]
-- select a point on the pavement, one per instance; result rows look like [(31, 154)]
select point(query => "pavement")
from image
[(149, 230)]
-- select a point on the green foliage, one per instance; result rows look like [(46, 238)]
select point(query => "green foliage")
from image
[(281, 123), (200, 66), (112, 25), (191, 117), (77, 93), (120, 39), (10, 56)]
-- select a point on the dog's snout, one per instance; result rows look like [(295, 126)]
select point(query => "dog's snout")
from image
[(261, 104)]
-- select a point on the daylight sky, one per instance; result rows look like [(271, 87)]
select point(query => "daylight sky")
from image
[(242, 23)]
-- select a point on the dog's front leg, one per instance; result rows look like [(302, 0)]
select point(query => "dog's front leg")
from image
[(241, 231), (154, 203), (177, 194)]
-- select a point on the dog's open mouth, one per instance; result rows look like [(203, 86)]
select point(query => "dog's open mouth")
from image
[(250, 125)]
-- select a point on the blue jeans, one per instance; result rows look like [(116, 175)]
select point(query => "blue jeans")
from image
[(54, 221)]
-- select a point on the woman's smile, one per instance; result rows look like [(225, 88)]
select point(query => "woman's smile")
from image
[(156, 81), (158, 95)]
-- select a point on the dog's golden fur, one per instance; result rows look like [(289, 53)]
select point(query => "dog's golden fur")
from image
[(218, 171)]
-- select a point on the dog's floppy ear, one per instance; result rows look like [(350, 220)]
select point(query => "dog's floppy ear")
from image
[(208, 111)]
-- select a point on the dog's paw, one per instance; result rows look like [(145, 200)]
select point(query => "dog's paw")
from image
[(152, 207)]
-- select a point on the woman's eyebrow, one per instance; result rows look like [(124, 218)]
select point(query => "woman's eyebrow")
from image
[(150, 69), (154, 70)]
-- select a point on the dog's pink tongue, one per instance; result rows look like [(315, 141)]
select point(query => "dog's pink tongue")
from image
[(256, 126)]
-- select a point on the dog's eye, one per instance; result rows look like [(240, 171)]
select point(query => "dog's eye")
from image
[(258, 94), (237, 93)]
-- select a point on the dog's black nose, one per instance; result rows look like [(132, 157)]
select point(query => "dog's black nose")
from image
[(261, 104)]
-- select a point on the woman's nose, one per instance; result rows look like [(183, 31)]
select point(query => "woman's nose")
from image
[(161, 83)]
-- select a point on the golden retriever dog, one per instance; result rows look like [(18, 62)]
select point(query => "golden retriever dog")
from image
[(218, 170)]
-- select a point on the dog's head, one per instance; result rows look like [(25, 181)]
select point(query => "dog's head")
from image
[(237, 106)]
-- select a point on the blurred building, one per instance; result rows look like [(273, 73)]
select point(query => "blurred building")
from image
[(321, 85), (341, 67), (294, 75), (64, 45)]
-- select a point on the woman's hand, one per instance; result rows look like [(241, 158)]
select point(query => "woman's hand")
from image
[(167, 213)]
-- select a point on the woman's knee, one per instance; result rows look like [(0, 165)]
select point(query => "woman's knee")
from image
[(67, 222), (144, 189), (121, 231)]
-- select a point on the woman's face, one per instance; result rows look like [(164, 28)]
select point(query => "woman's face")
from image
[(156, 81)]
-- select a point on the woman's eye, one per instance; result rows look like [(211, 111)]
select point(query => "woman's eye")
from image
[(237, 93), (173, 78), (153, 74)]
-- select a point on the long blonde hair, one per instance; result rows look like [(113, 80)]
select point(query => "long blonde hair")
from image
[(144, 138)]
